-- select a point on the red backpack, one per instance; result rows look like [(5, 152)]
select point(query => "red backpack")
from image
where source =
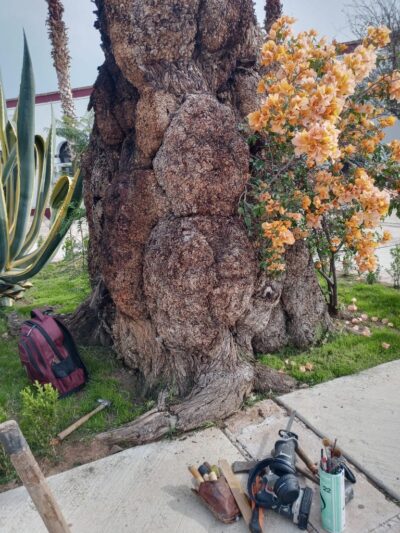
[(49, 354)]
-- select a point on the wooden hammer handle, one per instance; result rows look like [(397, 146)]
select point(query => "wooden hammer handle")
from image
[(32, 477), (306, 460), (61, 436)]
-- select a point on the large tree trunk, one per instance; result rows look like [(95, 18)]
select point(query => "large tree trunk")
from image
[(166, 167)]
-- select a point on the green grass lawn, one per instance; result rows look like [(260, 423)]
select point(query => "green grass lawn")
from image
[(347, 353), (60, 285), (65, 287), (375, 300)]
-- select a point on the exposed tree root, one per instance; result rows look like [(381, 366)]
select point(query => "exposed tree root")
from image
[(89, 322), (269, 380), (214, 398)]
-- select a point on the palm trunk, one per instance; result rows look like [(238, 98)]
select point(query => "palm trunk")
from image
[(273, 10), (60, 54)]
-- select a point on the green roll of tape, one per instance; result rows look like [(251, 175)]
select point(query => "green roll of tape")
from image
[(331, 489)]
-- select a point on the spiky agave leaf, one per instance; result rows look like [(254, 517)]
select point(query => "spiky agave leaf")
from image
[(25, 153)]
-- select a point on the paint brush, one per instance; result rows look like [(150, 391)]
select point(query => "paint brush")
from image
[(334, 446)]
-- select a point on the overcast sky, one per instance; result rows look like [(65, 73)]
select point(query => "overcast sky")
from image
[(326, 16)]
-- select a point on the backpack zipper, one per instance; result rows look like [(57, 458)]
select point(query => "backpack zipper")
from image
[(44, 334), (35, 348), (32, 360)]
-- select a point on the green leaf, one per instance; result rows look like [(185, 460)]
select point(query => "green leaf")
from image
[(59, 193), (45, 154), (9, 165), (3, 122), (4, 244), (34, 262), (25, 151)]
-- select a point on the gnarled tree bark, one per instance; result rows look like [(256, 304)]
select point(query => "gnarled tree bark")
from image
[(166, 167)]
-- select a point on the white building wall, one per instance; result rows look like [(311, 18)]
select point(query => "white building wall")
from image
[(43, 115)]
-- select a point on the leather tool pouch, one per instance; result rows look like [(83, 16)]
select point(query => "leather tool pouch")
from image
[(219, 499)]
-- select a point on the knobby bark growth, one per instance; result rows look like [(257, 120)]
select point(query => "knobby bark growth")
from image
[(167, 164)]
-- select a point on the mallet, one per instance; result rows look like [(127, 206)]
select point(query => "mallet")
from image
[(103, 404)]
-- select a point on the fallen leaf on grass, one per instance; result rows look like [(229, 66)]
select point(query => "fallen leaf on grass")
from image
[(385, 345), (306, 368), (391, 325), (385, 321), (352, 308), (366, 332), (374, 319)]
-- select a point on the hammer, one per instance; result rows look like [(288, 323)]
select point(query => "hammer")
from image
[(103, 404)]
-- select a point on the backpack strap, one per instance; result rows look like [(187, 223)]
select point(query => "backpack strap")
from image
[(72, 349), (40, 313)]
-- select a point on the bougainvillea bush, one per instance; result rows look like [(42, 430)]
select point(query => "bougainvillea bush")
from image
[(320, 168)]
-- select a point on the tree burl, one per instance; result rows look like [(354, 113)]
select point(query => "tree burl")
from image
[(166, 167)]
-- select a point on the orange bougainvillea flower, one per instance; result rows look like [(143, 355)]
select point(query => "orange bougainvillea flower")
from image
[(319, 143), (378, 37), (387, 122), (394, 86), (362, 61), (387, 236), (316, 129), (395, 149)]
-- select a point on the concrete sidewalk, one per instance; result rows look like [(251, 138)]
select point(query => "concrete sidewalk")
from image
[(148, 488), (256, 433), (363, 412)]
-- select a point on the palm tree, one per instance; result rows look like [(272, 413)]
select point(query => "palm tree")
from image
[(273, 10), (60, 54)]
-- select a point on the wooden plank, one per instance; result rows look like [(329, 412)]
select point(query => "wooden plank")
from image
[(237, 490)]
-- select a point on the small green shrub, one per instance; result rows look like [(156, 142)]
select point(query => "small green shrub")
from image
[(39, 416), (69, 247), (373, 277)]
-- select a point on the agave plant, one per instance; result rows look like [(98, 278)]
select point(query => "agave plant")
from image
[(26, 177)]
